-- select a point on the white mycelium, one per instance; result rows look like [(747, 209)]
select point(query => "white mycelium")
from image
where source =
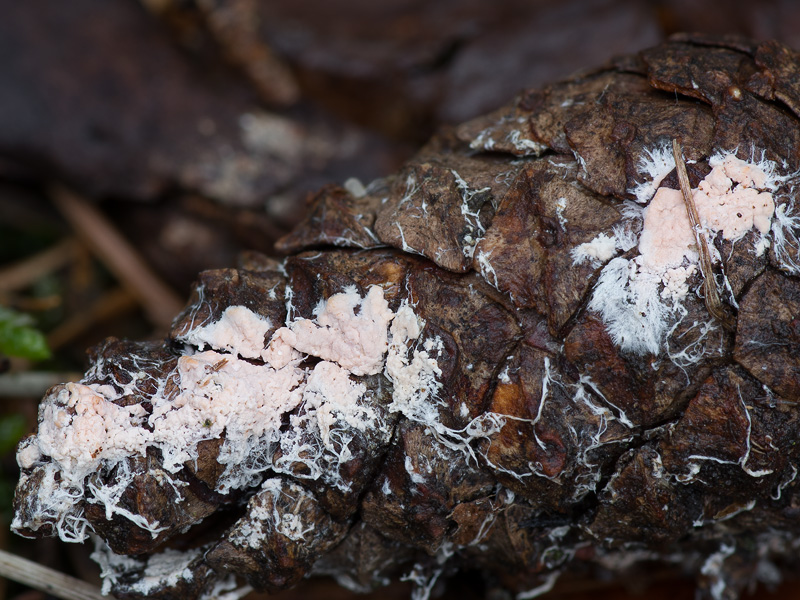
[(217, 393), (638, 298)]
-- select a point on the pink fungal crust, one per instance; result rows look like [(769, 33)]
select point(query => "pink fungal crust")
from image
[(238, 330), (726, 201), (96, 429), (348, 331), (220, 395)]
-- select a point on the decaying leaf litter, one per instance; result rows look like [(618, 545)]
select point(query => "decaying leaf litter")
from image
[(548, 389)]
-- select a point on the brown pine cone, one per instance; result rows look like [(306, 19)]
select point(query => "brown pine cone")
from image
[(519, 356)]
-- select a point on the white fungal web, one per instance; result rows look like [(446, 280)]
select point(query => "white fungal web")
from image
[(264, 518), (487, 270), (692, 344), (226, 588), (518, 136), (641, 299), (471, 202), (713, 568), (411, 189), (604, 246), (654, 165), (412, 367), (694, 461), (234, 391), (786, 233), (164, 569), (541, 589), (585, 396)]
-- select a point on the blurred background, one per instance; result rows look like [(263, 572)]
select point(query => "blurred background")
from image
[(142, 142)]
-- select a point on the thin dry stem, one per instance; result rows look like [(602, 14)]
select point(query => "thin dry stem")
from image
[(114, 302), (33, 384), (27, 271), (713, 303), (159, 302), (47, 580)]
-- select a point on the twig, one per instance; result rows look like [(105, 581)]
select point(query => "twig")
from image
[(713, 303), (232, 26), (159, 302), (110, 304), (32, 303), (32, 384), (47, 580), (27, 271)]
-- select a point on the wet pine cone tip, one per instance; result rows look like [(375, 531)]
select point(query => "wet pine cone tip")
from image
[(510, 357)]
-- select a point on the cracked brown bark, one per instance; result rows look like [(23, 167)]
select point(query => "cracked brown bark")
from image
[(559, 450)]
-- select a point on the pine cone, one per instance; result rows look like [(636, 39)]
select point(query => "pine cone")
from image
[(519, 355)]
